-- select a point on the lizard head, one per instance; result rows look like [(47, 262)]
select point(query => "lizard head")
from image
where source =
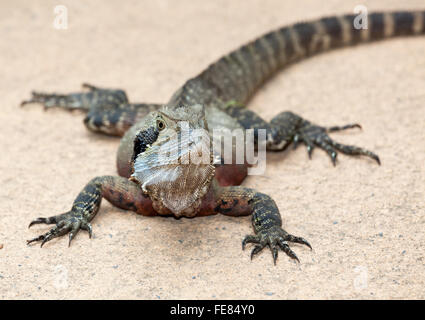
[(172, 157)]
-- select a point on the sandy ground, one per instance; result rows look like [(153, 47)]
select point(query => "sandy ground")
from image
[(365, 222)]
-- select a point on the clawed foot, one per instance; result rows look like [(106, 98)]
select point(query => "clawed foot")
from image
[(312, 136), (79, 100), (274, 237), (68, 102), (68, 222)]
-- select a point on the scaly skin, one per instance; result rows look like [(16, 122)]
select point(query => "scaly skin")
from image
[(222, 90)]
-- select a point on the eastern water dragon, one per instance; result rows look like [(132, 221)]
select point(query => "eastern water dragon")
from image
[(213, 99)]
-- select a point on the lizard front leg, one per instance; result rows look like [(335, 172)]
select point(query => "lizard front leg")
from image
[(108, 110), (266, 220), (118, 191)]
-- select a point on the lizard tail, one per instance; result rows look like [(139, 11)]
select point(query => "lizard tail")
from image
[(237, 75)]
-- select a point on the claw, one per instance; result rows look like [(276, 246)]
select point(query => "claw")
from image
[(56, 231), (65, 223), (88, 228), (256, 249), (89, 86), (274, 237), (304, 242), (333, 157), (75, 227), (312, 135), (32, 100), (71, 236), (274, 250), (353, 150), (348, 126), (35, 239), (299, 240), (373, 156), (44, 241), (310, 151), (327, 145), (296, 140), (37, 221), (284, 246), (249, 239), (24, 102)]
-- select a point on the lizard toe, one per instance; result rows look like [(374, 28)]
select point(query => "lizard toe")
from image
[(274, 237), (313, 135), (250, 239), (69, 222)]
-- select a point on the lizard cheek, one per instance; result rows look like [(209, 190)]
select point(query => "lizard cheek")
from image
[(143, 141)]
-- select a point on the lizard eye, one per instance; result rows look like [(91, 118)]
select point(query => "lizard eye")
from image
[(160, 124)]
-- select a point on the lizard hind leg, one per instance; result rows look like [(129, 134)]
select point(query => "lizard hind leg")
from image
[(78, 100), (287, 128), (290, 126)]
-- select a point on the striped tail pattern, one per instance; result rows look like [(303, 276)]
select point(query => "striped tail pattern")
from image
[(237, 75)]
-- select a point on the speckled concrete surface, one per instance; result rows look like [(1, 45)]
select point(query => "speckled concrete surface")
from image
[(366, 223)]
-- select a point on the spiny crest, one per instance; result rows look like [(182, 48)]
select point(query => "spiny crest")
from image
[(194, 114)]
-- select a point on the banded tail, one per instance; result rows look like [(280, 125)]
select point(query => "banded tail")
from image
[(237, 75)]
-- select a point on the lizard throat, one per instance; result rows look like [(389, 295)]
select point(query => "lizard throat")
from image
[(167, 180)]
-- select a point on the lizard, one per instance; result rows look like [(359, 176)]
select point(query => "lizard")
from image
[(214, 99)]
